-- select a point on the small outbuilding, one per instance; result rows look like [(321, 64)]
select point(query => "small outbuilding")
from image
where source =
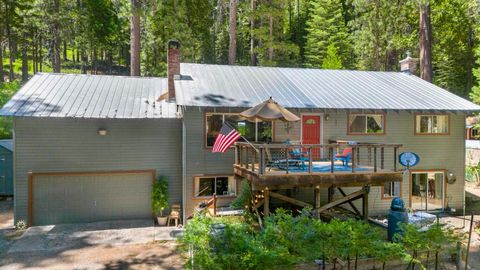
[(6, 168)]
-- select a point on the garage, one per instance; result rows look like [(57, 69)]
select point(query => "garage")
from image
[(57, 198)]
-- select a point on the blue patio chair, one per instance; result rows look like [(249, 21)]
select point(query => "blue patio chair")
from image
[(298, 155)]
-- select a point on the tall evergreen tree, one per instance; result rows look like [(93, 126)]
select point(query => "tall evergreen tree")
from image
[(327, 26)]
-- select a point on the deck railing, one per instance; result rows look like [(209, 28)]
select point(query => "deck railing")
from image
[(289, 158)]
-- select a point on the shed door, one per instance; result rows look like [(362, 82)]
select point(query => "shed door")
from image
[(91, 197)]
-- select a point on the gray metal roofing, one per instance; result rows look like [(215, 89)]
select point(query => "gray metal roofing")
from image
[(7, 144), (90, 96), (242, 86)]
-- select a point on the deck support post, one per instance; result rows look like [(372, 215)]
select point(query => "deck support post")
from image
[(366, 191), (330, 194), (316, 193), (266, 203)]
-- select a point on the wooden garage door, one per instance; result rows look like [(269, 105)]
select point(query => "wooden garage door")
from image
[(88, 197)]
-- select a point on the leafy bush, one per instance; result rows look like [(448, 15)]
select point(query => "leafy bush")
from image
[(160, 195), (7, 90), (238, 247), (436, 239), (287, 240)]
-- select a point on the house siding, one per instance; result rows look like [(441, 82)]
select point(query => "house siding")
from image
[(72, 145), (446, 152)]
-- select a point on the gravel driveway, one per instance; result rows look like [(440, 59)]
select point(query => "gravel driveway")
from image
[(132, 244)]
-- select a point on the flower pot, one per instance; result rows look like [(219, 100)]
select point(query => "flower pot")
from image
[(162, 221)]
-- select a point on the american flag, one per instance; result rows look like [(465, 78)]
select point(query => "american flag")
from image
[(227, 136)]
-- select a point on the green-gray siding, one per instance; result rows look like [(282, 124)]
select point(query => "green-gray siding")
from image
[(436, 152), (72, 145)]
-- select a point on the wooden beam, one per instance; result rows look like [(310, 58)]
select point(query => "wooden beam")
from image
[(352, 196), (322, 180), (350, 203), (266, 203), (258, 204), (288, 199), (365, 204), (316, 199)]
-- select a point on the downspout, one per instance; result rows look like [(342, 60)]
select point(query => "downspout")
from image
[(184, 167), (15, 173)]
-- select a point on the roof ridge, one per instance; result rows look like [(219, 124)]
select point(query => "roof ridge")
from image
[(97, 75), (300, 68)]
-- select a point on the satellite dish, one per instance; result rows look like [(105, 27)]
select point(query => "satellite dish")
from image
[(408, 159)]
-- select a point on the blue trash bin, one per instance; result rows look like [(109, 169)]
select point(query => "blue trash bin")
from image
[(396, 216)]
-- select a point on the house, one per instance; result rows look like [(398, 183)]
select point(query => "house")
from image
[(88, 147), (6, 168), (471, 131)]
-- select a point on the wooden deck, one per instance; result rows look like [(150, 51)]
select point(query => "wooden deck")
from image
[(317, 167)]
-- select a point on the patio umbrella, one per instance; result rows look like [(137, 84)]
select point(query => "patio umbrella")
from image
[(269, 110)]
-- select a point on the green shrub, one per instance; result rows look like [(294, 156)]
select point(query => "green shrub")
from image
[(160, 195), (287, 240), (7, 90)]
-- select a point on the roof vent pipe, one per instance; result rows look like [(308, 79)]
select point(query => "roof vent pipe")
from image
[(409, 64), (173, 66)]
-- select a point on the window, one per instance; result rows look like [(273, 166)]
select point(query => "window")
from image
[(431, 124), (220, 185), (391, 189), (366, 124), (252, 131)]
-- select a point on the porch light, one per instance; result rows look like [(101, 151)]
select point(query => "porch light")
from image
[(102, 132), (327, 117)]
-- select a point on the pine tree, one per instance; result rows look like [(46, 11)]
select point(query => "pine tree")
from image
[(326, 26), (332, 60)]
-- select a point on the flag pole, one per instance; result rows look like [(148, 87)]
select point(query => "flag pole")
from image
[(250, 143), (226, 123)]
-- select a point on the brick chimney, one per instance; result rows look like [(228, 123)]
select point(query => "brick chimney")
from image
[(409, 64), (173, 66)]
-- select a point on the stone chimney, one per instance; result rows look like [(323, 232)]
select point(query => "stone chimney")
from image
[(409, 64), (173, 66)]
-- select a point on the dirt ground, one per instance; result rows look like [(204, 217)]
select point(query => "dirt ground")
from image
[(160, 255), (153, 255)]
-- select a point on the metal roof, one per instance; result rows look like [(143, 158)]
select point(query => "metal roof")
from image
[(7, 144), (90, 96), (245, 86)]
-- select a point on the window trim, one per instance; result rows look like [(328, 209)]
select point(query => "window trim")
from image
[(205, 126), (431, 134), (195, 177), (367, 134), (410, 177), (382, 194)]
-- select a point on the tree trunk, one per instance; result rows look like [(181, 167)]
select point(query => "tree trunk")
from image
[(56, 61), (10, 43), (24, 64), (65, 58), (270, 35), (232, 33), (135, 39), (1, 60), (253, 54), (40, 55), (425, 42)]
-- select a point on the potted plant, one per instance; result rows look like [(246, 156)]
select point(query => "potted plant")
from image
[(160, 199)]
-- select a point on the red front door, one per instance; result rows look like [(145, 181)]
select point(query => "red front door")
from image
[(311, 132)]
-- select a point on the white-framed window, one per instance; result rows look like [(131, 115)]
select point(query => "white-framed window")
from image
[(206, 186), (366, 124), (391, 190), (432, 124), (252, 131)]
